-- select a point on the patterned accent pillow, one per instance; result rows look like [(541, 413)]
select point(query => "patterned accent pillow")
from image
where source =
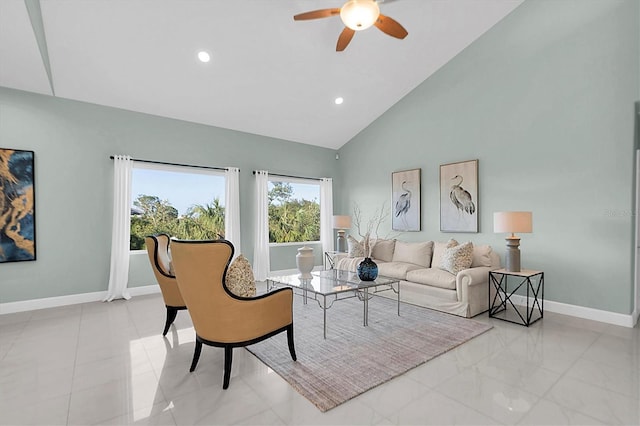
[(356, 249), (239, 278), (438, 250), (457, 258)]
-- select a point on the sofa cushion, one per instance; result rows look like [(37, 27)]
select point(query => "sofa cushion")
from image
[(355, 247), (397, 270), (416, 253), (438, 250), (433, 277), (481, 256), (348, 263), (383, 250), (457, 258), (239, 278)]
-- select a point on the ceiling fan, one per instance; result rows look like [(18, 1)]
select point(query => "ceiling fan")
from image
[(357, 15)]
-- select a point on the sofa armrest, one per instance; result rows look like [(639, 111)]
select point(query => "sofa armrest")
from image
[(473, 276)]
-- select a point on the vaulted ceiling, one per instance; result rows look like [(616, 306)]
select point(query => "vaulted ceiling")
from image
[(268, 74)]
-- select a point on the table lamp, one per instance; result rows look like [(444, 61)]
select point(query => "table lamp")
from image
[(512, 222), (341, 223)]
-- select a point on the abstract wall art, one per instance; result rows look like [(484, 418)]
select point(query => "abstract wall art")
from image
[(17, 206), (459, 197), (405, 199)]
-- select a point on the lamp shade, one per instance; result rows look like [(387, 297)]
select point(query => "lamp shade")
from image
[(513, 222), (341, 222), (359, 14)]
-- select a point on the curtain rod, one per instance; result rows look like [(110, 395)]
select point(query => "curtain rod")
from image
[(175, 164), (290, 176)]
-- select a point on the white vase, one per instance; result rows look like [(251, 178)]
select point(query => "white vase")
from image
[(304, 261)]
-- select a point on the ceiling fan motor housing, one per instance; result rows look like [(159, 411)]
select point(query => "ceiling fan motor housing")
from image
[(359, 14)]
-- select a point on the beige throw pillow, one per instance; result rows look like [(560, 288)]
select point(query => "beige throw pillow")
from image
[(415, 253), (481, 256), (383, 250), (239, 278), (355, 247), (457, 258), (438, 249)]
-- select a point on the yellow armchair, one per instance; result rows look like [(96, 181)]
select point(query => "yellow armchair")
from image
[(221, 318), (158, 251)]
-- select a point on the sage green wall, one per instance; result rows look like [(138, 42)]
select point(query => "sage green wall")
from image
[(72, 143), (545, 102)]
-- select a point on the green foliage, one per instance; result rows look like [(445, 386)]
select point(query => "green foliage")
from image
[(280, 193), (200, 223), (292, 220)]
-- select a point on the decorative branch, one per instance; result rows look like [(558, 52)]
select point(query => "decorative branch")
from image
[(372, 226)]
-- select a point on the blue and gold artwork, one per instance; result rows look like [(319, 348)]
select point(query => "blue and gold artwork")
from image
[(17, 206)]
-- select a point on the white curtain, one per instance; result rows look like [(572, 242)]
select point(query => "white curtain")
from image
[(261, 245), (120, 231), (232, 208), (326, 214)]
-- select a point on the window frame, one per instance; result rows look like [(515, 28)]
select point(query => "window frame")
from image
[(175, 169), (306, 181)]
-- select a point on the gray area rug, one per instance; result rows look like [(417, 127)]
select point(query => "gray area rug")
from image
[(354, 358)]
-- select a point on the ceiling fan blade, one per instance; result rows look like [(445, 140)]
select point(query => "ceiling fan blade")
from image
[(390, 27), (345, 37), (316, 14)]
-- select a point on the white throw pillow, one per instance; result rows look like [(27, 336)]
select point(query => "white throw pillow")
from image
[(355, 247), (438, 249), (383, 250), (481, 256), (416, 253), (457, 258), (239, 278)]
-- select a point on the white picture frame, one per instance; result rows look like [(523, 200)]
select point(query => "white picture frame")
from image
[(405, 200), (459, 197)]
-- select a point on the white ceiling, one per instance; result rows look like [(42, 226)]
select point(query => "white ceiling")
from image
[(269, 74)]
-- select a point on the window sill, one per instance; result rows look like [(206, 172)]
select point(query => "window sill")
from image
[(294, 244)]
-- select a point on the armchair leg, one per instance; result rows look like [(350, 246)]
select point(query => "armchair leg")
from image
[(292, 349), (228, 357), (171, 316), (196, 355)]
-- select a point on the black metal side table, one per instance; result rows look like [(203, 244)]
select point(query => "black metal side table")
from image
[(331, 258), (502, 307)]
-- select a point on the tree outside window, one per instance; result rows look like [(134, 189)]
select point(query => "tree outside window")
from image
[(294, 212), (183, 204)]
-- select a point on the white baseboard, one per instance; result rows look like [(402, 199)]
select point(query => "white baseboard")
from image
[(581, 312), (73, 299), (144, 290), (549, 305)]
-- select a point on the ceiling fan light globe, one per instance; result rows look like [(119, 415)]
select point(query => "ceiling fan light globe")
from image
[(359, 14)]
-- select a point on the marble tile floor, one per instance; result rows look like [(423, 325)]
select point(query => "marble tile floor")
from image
[(107, 363)]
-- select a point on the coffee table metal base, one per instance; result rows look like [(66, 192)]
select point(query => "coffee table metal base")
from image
[(325, 301)]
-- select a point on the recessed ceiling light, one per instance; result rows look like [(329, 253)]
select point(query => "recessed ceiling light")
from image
[(339, 100), (204, 56)]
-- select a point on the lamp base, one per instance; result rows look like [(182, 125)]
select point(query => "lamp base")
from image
[(341, 242), (512, 258)]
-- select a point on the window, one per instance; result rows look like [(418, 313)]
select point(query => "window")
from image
[(184, 202), (294, 210)]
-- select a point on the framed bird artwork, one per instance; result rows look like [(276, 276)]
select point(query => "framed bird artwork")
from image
[(405, 200), (459, 197)]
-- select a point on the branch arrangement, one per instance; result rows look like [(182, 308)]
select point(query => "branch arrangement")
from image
[(372, 226)]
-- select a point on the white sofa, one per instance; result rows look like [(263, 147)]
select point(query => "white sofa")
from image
[(424, 283)]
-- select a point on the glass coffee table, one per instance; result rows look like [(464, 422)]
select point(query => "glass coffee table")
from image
[(326, 287)]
